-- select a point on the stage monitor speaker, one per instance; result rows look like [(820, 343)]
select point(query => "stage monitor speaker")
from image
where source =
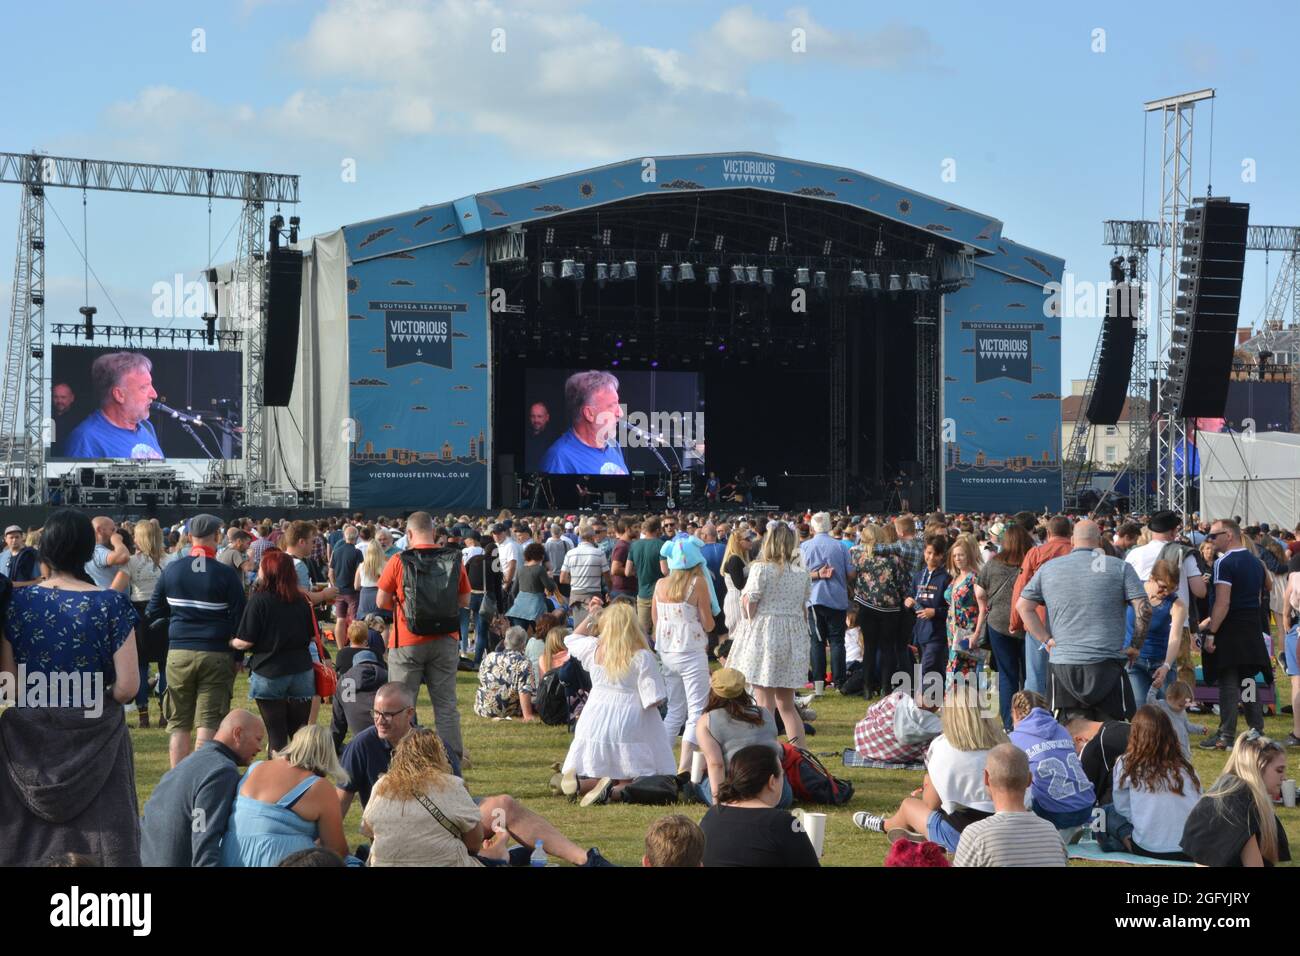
[(87, 477), (283, 302), (1216, 232), (1115, 359)]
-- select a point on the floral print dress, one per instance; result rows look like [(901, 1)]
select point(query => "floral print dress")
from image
[(963, 613), (53, 630)]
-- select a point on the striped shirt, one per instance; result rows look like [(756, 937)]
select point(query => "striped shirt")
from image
[(585, 564), (1011, 839)]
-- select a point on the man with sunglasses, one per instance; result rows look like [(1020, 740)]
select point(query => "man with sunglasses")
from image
[(1232, 649), (367, 756)]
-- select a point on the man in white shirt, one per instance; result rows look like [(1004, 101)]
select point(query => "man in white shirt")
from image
[(1164, 527), (585, 571), (1013, 836)]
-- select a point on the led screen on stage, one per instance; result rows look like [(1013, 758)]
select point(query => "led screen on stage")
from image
[(105, 404), (612, 422)]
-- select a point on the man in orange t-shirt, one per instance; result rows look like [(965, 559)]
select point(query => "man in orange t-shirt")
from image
[(1058, 543), (429, 659)]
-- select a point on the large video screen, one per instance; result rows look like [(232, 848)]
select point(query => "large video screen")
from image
[(612, 421), (145, 404)]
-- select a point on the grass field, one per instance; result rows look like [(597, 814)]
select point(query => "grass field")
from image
[(515, 758)]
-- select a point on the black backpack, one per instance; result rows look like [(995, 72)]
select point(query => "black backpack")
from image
[(552, 700), (430, 588)]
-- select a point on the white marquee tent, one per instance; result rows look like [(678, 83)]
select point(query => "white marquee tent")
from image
[(1256, 476)]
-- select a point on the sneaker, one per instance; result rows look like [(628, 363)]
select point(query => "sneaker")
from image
[(569, 784), (594, 858), (902, 833), (809, 714), (1291, 741), (599, 793), (869, 822), (1214, 743)]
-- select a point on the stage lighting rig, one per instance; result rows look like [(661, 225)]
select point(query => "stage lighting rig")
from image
[(88, 313)]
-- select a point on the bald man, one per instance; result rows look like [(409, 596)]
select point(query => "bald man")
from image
[(1087, 594), (186, 816), (1013, 836), (110, 553)]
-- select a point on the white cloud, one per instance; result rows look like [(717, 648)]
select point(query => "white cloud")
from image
[(381, 71)]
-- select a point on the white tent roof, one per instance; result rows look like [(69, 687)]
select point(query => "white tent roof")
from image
[(1255, 475)]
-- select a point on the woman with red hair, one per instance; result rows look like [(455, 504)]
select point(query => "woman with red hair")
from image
[(279, 630)]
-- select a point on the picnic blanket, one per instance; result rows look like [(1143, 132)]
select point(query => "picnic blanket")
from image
[(1088, 850), (854, 759)]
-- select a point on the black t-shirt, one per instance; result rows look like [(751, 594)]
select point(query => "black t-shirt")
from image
[(366, 758), (743, 836), (1099, 755), (344, 563), (280, 632), (1293, 566), (474, 571), (1219, 827)]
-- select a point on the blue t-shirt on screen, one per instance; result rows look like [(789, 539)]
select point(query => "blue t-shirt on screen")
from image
[(569, 456), (97, 437)]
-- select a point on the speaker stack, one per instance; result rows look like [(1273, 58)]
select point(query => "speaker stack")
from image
[(1207, 307), (1115, 360), (283, 299)]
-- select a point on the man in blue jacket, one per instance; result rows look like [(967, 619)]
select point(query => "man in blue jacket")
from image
[(204, 599), (186, 816)]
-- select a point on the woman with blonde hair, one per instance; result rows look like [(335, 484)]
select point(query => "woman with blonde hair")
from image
[(140, 576), (620, 735), (682, 613), (288, 803), (366, 580), (953, 794), (1234, 823), (773, 649), (735, 569)]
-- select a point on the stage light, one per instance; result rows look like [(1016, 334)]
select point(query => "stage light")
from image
[(1117, 269), (629, 270), (738, 274), (751, 275), (826, 248), (567, 270), (801, 275), (580, 271), (819, 281), (654, 363), (663, 240), (614, 362), (929, 251), (769, 279), (925, 282), (857, 282), (717, 242), (666, 276), (294, 223), (722, 346), (615, 271), (713, 278), (618, 343), (88, 313), (771, 246), (550, 235), (895, 283), (602, 274), (605, 236), (685, 272), (913, 282)]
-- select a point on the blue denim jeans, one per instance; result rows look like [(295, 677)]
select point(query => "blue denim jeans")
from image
[(787, 794), (1036, 661), (1140, 674), (1009, 652)]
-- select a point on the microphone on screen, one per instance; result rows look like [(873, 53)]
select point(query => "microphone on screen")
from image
[(173, 413)]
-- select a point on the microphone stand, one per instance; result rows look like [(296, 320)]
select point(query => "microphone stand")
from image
[(189, 430)]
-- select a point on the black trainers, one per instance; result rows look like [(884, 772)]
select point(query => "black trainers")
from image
[(595, 859), (1291, 741), (1215, 743)]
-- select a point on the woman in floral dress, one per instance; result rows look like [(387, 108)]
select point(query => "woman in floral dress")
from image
[(878, 593), (964, 655)]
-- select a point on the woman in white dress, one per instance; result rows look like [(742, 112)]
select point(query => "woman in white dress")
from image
[(683, 616), (620, 735), (735, 570), (772, 651)]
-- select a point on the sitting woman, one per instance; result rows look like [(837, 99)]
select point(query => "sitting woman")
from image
[(745, 828), (288, 804), (1234, 824), (1155, 787), (542, 630), (732, 721), (535, 585), (505, 681), (620, 735), (555, 653), (896, 730), (1062, 793), (953, 794)]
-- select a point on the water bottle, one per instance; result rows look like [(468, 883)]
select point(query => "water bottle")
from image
[(539, 857)]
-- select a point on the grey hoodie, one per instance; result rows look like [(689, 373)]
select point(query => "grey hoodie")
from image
[(67, 785)]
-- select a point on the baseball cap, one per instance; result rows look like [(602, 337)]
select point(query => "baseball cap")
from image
[(500, 528), (12, 528), (1163, 521), (204, 526)]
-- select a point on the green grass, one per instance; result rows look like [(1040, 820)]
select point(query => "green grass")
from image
[(515, 758)]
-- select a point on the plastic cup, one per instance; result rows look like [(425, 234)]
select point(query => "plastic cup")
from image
[(819, 687), (814, 824), (697, 767), (1288, 793)]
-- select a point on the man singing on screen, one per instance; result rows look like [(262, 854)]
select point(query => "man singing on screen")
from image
[(119, 428), (587, 448)]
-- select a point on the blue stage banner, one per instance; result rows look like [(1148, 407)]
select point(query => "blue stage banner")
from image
[(418, 360), (1001, 405)]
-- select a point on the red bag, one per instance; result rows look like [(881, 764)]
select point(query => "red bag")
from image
[(327, 678), (810, 780)]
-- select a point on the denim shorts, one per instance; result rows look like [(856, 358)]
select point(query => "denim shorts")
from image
[(298, 686), (1289, 644), (940, 831)]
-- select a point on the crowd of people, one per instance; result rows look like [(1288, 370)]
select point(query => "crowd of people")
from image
[(683, 652)]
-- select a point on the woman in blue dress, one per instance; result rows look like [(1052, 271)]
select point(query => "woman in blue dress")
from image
[(288, 804), (535, 584), (67, 625)]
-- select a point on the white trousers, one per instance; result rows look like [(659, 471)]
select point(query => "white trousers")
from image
[(687, 675)]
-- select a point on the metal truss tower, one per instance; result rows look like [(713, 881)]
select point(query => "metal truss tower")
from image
[(23, 435)]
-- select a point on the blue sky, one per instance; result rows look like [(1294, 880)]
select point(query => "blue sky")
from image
[(1046, 134)]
